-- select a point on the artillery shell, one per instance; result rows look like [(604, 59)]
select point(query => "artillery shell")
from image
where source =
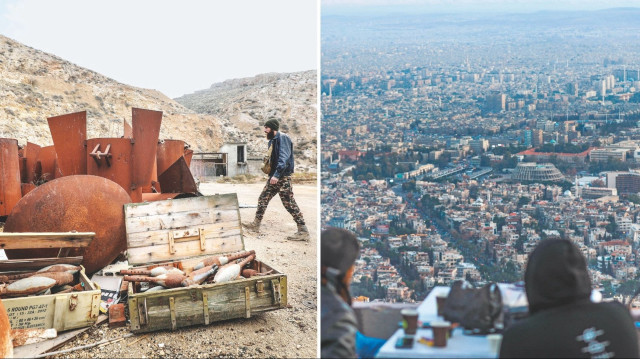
[(165, 270), (200, 275), (13, 277), (27, 286), (61, 278), (61, 268)]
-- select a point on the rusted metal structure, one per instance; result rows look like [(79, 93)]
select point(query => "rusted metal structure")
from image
[(111, 158), (69, 133), (146, 129), (48, 164), (31, 153), (81, 184), (79, 203), (169, 151), (10, 189), (178, 179)]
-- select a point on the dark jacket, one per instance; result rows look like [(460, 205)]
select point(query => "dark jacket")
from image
[(563, 321), (281, 156), (338, 325)]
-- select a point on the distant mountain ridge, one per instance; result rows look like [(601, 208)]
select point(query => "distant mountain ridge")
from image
[(35, 85), (248, 102)]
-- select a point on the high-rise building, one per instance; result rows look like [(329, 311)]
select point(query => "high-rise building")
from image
[(528, 138), (479, 145), (572, 88), (538, 138), (496, 102)]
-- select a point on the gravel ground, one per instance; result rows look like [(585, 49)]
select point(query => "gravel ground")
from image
[(285, 333)]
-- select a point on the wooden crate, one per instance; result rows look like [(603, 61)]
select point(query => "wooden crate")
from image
[(60, 311), (181, 232)]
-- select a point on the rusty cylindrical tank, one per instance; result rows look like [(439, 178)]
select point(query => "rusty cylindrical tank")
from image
[(10, 189), (80, 203)]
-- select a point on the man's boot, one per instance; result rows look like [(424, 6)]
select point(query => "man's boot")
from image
[(301, 235), (253, 226)]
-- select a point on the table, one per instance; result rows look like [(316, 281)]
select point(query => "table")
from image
[(458, 346)]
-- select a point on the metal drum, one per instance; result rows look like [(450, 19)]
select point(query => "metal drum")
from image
[(74, 203)]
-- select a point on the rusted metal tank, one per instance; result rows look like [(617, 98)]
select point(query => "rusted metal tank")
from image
[(69, 133), (10, 189), (80, 203)]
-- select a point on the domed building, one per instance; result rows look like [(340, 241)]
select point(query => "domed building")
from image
[(531, 171)]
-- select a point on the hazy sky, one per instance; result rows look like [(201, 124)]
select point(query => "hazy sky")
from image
[(173, 46), (439, 6)]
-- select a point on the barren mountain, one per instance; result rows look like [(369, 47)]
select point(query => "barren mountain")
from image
[(35, 85), (247, 103)]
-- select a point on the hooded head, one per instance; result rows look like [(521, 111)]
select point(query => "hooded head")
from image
[(339, 250), (556, 275)]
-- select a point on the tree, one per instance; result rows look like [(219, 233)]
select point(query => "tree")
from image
[(520, 245), (612, 227), (523, 201)]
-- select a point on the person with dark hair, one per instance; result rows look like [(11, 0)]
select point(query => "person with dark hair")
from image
[(339, 249), (563, 322), (280, 149)]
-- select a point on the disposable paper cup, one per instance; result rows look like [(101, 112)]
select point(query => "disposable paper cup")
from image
[(494, 342), (409, 321), (440, 333)]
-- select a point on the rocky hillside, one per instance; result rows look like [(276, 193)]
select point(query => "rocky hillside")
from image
[(35, 85), (247, 103)]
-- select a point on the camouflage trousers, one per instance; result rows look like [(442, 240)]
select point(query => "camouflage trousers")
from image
[(283, 188)]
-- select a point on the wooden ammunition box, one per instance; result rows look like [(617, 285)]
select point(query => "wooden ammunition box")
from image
[(62, 311), (182, 232)]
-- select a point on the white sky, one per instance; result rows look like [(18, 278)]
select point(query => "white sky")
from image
[(337, 6), (176, 47)]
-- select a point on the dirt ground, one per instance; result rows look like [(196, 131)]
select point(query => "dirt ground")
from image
[(285, 333)]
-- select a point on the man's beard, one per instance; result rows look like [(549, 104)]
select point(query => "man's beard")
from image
[(270, 135)]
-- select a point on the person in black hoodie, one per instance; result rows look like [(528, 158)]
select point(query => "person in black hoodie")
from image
[(563, 322)]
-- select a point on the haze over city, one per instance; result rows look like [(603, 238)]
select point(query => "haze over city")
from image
[(456, 136)]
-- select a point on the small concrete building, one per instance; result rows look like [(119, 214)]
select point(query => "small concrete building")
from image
[(236, 158)]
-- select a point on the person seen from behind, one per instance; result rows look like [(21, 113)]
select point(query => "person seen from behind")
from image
[(339, 250), (563, 322)]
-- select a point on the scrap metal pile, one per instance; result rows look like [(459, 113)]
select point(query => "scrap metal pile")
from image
[(81, 184)]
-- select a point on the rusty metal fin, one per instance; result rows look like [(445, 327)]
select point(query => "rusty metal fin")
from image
[(178, 178), (146, 130), (69, 133)]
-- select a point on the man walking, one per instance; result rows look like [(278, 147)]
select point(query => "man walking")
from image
[(279, 181)]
